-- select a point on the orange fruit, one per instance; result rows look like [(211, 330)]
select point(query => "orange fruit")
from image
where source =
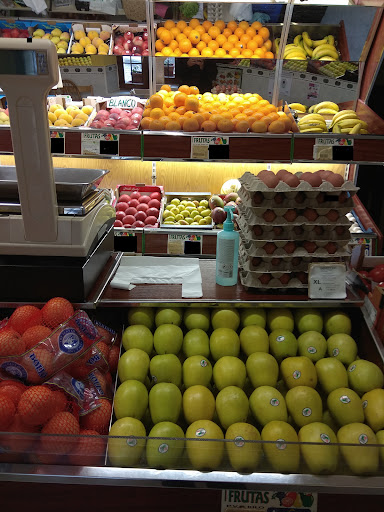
[(208, 126), (269, 55), (165, 87), (232, 25), (227, 32), (185, 89), (245, 40), (244, 25), (235, 52), (173, 126), (215, 118), (226, 114), (185, 45), (166, 51), (227, 46), (194, 52), (239, 32), (201, 46), (169, 24), (192, 104), (277, 127), (205, 38), (177, 52), (220, 24), (156, 125), (168, 102), (147, 112), (145, 122), (174, 116), (207, 52), (189, 113), (213, 45), (166, 37), (187, 31), (259, 40), (220, 52), (181, 25), (156, 101), (264, 33), (263, 48), (173, 45), (267, 120), (191, 125), (242, 126), (159, 31), (199, 118), (200, 29), (258, 54), (181, 120), (206, 115), (207, 25), (286, 120), (259, 127), (194, 37), (159, 45), (225, 126), (256, 25), (179, 99), (247, 53), (156, 113), (180, 37), (252, 45), (241, 117), (248, 112), (175, 31), (194, 90), (251, 32), (214, 31), (194, 22), (233, 39), (268, 44), (181, 110), (221, 39), (164, 119), (239, 45)]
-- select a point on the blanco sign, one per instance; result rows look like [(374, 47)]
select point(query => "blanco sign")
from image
[(127, 102)]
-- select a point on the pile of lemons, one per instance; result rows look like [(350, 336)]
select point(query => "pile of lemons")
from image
[(72, 116)]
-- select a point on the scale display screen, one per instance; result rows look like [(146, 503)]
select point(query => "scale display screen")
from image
[(23, 62)]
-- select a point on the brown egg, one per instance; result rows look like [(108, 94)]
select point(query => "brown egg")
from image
[(255, 262), (269, 178), (269, 216), (290, 215), (310, 214), (300, 198), (269, 247), (302, 276), (320, 198), (289, 247), (332, 215), (296, 261), (285, 278), (310, 246), (279, 198), (275, 262), (265, 278), (281, 173), (325, 174), (321, 173), (331, 247), (257, 198), (319, 230), (313, 179), (278, 230), (343, 197), (291, 180), (257, 230), (298, 230), (340, 230), (335, 179)]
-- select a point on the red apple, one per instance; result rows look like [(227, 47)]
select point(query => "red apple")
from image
[(152, 212), (127, 35), (129, 219), (120, 215), (114, 116), (136, 50), (141, 216), (125, 198), (145, 36), (151, 220), (118, 50), (134, 203), (143, 207), (145, 199), (130, 211), (121, 206), (154, 195), (135, 195), (110, 122), (145, 46), (119, 40), (138, 224), (154, 203), (138, 41), (118, 224)]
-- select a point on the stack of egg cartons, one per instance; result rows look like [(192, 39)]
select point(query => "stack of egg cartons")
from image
[(288, 221)]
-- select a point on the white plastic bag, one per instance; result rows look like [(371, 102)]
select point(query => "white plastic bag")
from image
[(241, 12)]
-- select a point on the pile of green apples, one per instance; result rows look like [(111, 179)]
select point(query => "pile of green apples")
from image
[(187, 212), (246, 389)]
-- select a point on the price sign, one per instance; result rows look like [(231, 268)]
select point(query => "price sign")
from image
[(57, 142), (128, 102), (184, 244), (333, 149), (210, 148), (327, 281), (233, 500), (99, 144)]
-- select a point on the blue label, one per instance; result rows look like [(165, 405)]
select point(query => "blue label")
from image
[(93, 359), (78, 388), (70, 341), (40, 370), (86, 327), (14, 369), (92, 377)]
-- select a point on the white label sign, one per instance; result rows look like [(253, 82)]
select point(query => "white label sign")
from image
[(176, 243), (327, 281), (90, 142), (320, 141), (268, 501), (128, 102), (200, 146)]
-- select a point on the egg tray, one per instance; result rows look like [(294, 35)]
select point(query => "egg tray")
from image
[(288, 233), (254, 219), (285, 264), (309, 202), (251, 280), (280, 211), (252, 183)]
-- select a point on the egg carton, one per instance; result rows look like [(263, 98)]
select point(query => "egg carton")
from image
[(252, 280), (256, 248), (268, 264), (327, 201), (252, 183), (255, 218), (286, 232)]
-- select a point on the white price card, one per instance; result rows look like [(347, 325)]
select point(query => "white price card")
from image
[(327, 281), (177, 244), (323, 148), (268, 501), (200, 146), (99, 144)]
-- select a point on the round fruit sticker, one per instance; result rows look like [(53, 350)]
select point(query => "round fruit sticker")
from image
[(296, 374), (325, 438), (163, 448), (239, 441), (364, 404), (363, 439), (200, 432), (280, 445), (70, 341), (274, 402), (311, 350), (154, 378), (345, 399), (203, 363), (352, 368), (280, 338), (307, 411), (335, 352), (131, 441)]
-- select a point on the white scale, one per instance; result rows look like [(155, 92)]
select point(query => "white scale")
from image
[(28, 71)]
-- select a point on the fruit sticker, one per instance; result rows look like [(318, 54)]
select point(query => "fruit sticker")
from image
[(311, 350), (335, 352), (280, 445), (353, 367), (239, 441), (163, 448), (307, 411), (325, 438), (345, 399), (363, 439), (296, 374), (200, 432), (274, 402), (279, 339), (131, 441), (203, 363), (364, 404)]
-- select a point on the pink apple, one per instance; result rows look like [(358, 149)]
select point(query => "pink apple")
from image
[(118, 224), (129, 219), (145, 36), (119, 126), (110, 122), (136, 50), (119, 40), (143, 207), (134, 203), (135, 195), (130, 211), (141, 216), (114, 116), (145, 45), (124, 120), (115, 110), (128, 45), (138, 224), (121, 206), (138, 41), (151, 220), (154, 203), (137, 110), (128, 35), (125, 198), (152, 212), (144, 199), (135, 122), (127, 52), (118, 50), (155, 195), (145, 53), (136, 115), (96, 124), (103, 113), (120, 215)]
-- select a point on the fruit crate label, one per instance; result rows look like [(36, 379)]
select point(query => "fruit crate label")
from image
[(184, 244), (99, 144), (205, 148), (268, 501), (128, 102), (333, 149), (327, 281), (120, 232)]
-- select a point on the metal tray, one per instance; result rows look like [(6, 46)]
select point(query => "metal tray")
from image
[(71, 184)]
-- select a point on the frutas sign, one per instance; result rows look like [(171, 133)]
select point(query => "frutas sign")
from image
[(267, 501)]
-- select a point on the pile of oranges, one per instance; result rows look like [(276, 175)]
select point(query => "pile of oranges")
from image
[(189, 111), (220, 40)]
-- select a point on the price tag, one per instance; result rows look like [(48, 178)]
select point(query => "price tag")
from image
[(99, 144), (184, 244), (333, 149), (327, 281), (213, 148), (128, 102), (233, 500), (57, 142)]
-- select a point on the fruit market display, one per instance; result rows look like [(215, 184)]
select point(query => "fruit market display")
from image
[(303, 47), (75, 61), (138, 207), (90, 42), (219, 40), (187, 212), (287, 221), (56, 377), (246, 375), (56, 36), (127, 42), (117, 118), (69, 117), (4, 116), (189, 111)]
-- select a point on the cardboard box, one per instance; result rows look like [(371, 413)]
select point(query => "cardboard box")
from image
[(187, 196), (87, 27), (145, 190)]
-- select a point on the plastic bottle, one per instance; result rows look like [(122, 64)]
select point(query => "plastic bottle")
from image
[(227, 252)]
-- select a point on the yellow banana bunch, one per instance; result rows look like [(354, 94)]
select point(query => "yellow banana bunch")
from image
[(293, 51), (347, 121), (312, 123), (322, 49), (326, 107), (299, 107)]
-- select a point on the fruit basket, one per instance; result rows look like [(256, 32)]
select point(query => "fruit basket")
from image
[(90, 38), (130, 40), (138, 206), (180, 210), (127, 116)]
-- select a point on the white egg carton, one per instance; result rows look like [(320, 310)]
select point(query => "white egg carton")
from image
[(252, 280), (271, 264)]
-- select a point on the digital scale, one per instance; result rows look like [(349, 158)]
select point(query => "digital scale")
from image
[(55, 225)]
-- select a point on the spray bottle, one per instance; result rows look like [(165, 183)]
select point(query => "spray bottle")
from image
[(227, 252)]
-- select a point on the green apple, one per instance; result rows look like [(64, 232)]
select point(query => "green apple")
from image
[(38, 33), (232, 406), (165, 453), (280, 318), (197, 370), (168, 339), (254, 339), (224, 342), (308, 319), (244, 457), (133, 365), (197, 318), (320, 458), (141, 316), (282, 343), (328, 420), (284, 458), (131, 399), (204, 203), (196, 342), (262, 369), (168, 316), (225, 317), (267, 404), (298, 371), (342, 347), (345, 406), (175, 201), (138, 336), (206, 455), (373, 405), (165, 368), (362, 459), (313, 345), (363, 376), (331, 374), (304, 405), (253, 316), (229, 371), (165, 402), (336, 322), (126, 448), (198, 404)]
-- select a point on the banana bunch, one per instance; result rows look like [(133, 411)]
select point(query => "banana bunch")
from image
[(325, 107), (312, 123), (277, 45), (299, 107), (294, 52), (303, 46), (347, 121)]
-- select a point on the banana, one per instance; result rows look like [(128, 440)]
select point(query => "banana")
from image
[(294, 49), (342, 113), (312, 130), (326, 104), (298, 106), (301, 44), (345, 130), (296, 57), (349, 123), (297, 40), (308, 126), (336, 129), (307, 40), (291, 45), (323, 50), (329, 111), (308, 49), (311, 117), (311, 109), (320, 42), (292, 55), (343, 116), (356, 128), (332, 59), (330, 39), (363, 132), (364, 125)]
